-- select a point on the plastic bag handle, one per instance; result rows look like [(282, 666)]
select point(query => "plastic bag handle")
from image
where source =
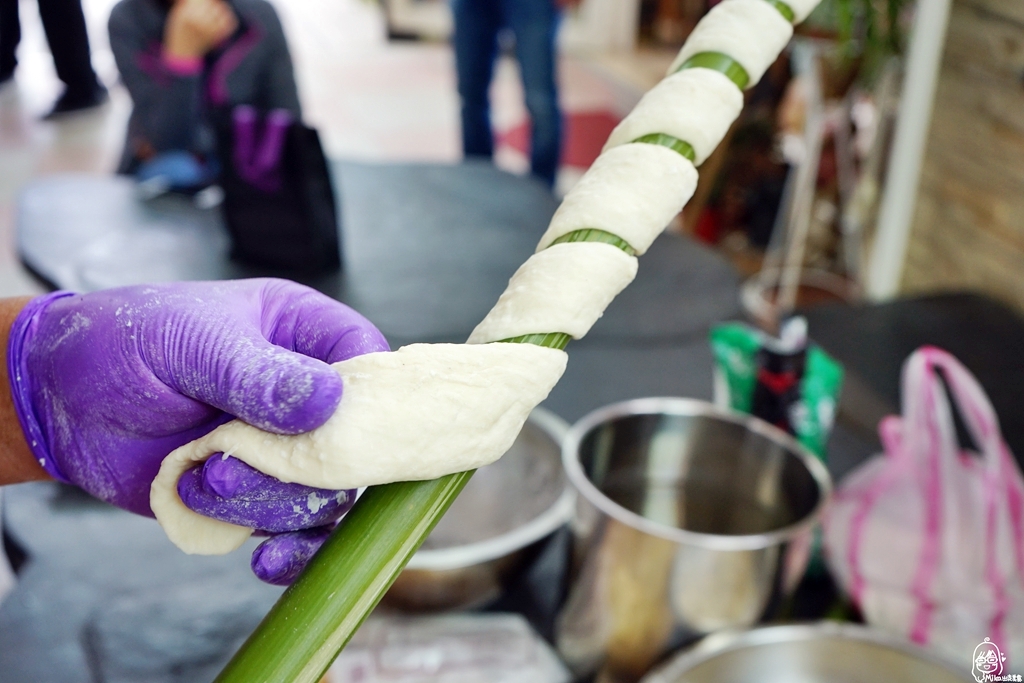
[(924, 398)]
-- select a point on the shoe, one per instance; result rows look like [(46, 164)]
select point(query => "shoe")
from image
[(71, 102)]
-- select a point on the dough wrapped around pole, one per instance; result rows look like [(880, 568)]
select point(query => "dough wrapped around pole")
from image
[(565, 288), (632, 191), (750, 32), (694, 106), (626, 199), (418, 413)]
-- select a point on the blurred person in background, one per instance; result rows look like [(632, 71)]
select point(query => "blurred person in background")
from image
[(182, 62), (534, 23), (64, 24)]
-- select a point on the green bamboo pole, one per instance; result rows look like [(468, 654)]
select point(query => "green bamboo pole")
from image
[(314, 619), (319, 613)]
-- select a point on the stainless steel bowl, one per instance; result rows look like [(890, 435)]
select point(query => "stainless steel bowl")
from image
[(813, 653), (486, 535), (690, 520)]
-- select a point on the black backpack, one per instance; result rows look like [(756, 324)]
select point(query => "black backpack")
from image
[(279, 203)]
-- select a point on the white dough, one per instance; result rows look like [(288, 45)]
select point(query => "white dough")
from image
[(428, 410), (695, 105), (418, 413), (632, 191), (750, 31), (564, 288), (801, 8)]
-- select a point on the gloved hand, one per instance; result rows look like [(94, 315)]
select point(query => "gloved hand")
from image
[(107, 384)]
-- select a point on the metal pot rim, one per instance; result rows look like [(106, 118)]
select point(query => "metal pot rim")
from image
[(726, 641), (460, 557), (689, 407)]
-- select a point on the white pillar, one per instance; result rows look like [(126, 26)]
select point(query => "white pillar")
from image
[(885, 265)]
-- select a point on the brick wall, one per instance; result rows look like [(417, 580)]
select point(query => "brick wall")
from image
[(968, 230)]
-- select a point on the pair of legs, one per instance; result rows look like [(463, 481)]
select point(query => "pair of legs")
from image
[(64, 24), (534, 24)]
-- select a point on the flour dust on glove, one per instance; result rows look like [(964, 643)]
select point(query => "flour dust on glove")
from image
[(107, 384)]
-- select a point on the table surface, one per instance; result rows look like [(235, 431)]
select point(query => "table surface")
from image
[(872, 341), (427, 251), (425, 267)]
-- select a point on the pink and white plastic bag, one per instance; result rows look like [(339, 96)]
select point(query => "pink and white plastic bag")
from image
[(928, 540)]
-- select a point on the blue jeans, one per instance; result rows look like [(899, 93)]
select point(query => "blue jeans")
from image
[(535, 25), (177, 171)]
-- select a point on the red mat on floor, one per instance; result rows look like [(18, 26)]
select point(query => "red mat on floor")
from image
[(585, 135)]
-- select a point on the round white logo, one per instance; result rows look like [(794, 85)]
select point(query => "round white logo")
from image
[(988, 661)]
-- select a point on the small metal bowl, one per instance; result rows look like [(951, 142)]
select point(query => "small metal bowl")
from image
[(825, 652), (487, 534)]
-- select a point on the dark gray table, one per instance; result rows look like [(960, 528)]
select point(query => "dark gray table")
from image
[(427, 251), (873, 341), (106, 598)]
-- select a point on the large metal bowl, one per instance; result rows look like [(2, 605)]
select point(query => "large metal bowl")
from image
[(814, 653), (689, 520), (487, 535)]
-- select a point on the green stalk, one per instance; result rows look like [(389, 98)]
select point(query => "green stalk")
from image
[(595, 235), (314, 619), (785, 10), (552, 340), (673, 143), (716, 61), (317, 616)]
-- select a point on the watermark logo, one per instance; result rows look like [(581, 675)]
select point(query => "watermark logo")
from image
[(988, 663)]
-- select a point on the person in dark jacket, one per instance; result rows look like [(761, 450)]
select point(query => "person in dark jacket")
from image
[(182, 62)]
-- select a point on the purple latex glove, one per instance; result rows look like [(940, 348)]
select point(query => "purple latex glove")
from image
[(226, 488), (229, 490), (107, 384)]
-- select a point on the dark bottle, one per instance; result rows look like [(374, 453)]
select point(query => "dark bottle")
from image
[(780, 370)]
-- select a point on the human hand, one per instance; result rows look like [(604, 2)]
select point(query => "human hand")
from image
[(194, 27), (107, 384)]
